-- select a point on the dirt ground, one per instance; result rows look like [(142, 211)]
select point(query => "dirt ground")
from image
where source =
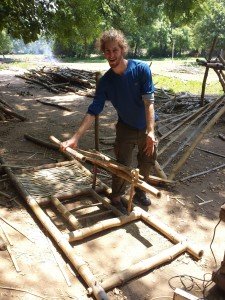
[(40, 276)]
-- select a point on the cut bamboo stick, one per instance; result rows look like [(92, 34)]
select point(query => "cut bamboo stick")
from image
[(14, 227), (203, 173), (65, 212), (197, 139), (6, 235), (13, 259), (58, 262), (144, 266), (80, 265)]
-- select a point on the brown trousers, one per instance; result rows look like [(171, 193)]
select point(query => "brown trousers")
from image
[(127, 138)]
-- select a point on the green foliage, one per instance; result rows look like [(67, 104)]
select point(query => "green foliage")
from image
[(25, 18), (156, 26), (5, 43), (211, 24), (177, 85)]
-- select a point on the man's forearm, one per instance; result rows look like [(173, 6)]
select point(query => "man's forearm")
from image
[(150, 116), (84, 126)]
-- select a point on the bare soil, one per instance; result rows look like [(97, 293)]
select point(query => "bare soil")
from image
[(40, 276)]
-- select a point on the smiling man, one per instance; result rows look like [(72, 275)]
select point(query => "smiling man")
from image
[(128, 85)]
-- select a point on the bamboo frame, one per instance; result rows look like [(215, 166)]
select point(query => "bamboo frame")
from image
[(81, 266)]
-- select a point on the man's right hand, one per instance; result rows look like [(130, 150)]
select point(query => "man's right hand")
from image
[(72, 143)]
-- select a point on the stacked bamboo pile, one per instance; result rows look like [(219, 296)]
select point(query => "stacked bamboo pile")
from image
[(62, 80), (185, 131), (170, 103), (8, 113)]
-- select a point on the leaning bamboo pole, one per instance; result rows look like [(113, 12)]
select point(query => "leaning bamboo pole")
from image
[(197, 139), (79, 264), (144, 266), (198, 115), (171, 234), (212, 110)]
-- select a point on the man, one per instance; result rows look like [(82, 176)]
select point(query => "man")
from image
[(128, 85)]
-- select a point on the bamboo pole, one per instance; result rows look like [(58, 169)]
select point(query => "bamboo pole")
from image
[(13, 259), (197, 139), (76, 154), (102, 225), (197, 115), (115, 168), (207, 71), (79, 264), (159, 171), (221, 79), (65, 212), (203, 173), (144, 266), (12, 113), (171, 234), (187, 119), (213, 109)]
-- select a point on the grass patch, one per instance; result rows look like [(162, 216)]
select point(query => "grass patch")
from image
[(177, 85)]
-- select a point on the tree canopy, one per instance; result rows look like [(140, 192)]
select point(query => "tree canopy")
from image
[(155, 25)]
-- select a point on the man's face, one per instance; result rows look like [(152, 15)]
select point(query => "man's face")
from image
[(113, 53)]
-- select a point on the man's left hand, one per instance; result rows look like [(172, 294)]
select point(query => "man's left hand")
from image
[(150, 144)]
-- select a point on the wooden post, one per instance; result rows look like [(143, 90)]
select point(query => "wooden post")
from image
[(135, 174), (97, 78), (207, 71)]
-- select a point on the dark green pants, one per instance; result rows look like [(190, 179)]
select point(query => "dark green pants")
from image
[(127, 138)]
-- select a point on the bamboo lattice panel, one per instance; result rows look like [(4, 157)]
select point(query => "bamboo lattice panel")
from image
[(49, 181)]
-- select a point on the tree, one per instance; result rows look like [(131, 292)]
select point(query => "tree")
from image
[(5, 43), (211, 24), (26, 19)]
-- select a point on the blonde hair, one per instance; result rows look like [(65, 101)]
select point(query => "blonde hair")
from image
[(112, 35)]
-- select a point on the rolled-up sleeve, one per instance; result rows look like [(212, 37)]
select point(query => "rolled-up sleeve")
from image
[(147, 88)]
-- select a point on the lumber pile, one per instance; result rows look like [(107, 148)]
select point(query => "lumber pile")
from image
[(62, 80), (8, 113)]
